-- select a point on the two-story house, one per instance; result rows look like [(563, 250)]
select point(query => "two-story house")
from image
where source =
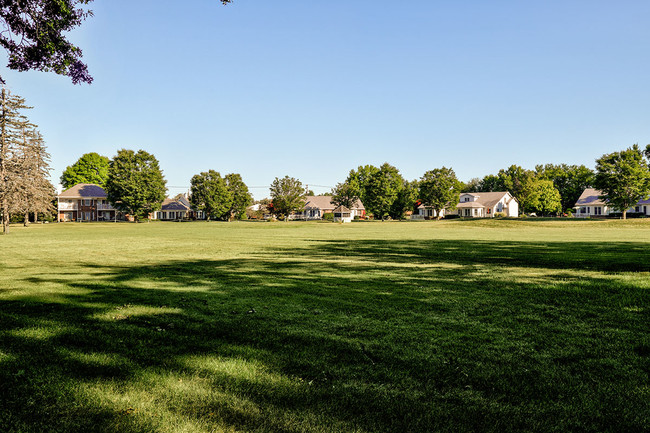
[(85, 202), (478, 205)]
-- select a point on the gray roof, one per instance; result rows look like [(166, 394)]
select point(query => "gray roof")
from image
[(590, 197), (84, 190), (325, 202), (489, 199), (171, 204)]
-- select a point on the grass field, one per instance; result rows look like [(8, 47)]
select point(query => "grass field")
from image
[(320, 327)]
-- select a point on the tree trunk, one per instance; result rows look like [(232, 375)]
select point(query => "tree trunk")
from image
[(625, 214), (26, 220), (35, 217), (5, 219)]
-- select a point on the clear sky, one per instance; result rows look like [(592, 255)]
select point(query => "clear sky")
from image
[(314, 88)]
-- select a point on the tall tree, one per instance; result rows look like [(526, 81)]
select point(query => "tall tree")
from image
[(287, 195), (570, 181), (473, 185), (381, 190), (357, 181), (12, 122), (35, 193), (440, 189), (135, 183), (623, 178), (210, 194), (405, 200), (241, 198), (90, 168)]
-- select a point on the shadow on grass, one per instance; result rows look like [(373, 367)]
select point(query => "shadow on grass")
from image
[(343, 336)]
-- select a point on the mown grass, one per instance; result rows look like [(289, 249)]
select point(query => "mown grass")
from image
[(319, 327)]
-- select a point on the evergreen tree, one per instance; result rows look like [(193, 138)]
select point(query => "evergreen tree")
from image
[(210, 194), (135, 183)]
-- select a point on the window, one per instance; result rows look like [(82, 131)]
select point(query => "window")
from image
[(489, 210), (636, 209)]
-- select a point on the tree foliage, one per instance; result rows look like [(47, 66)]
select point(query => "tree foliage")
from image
[(440, 189), (90, 168), (623, 178), (34, 36), (241, 198), (24, 163), (135, 183), (570, 181), (210, 194), (543, 197), (382, 189), (287, 195), (344, 194)]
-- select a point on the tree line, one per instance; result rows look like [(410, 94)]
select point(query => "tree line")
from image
[(622, 177)]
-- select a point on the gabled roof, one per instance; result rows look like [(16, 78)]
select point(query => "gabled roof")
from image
[(325, 202), (590, 197), (171, 204), (341, 209), (488, 199), (84, 190)]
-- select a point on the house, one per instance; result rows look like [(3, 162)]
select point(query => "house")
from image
[(85, 202), (486, 204), (590, 204), (317, 206), (478, 205), (342, 214), (178, 208)]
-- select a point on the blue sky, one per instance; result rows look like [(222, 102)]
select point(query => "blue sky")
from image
[(312, 89)]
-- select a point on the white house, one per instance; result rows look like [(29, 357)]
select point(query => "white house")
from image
[(477, 205), (317, 206), (486, 204), (591, 205)]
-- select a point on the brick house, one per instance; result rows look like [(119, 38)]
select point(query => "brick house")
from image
[(84, 202)]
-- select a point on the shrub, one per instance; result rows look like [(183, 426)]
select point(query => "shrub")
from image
[(329, 216), (500, 214)]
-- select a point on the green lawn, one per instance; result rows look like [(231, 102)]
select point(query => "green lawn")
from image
[(320, 327)]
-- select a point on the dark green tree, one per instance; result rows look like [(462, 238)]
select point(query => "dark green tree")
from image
[(209, 193), (405, 200), (357, 180), (440, 189), (490, 183), (90, 168), (287, 195), (570, 181), (135, 183), (241, 198), (623, 178), (382, 188), (473, 185)]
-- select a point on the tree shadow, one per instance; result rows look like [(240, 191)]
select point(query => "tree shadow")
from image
[(341, 336)]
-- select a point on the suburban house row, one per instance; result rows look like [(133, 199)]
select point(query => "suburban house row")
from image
[(88, 202)]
